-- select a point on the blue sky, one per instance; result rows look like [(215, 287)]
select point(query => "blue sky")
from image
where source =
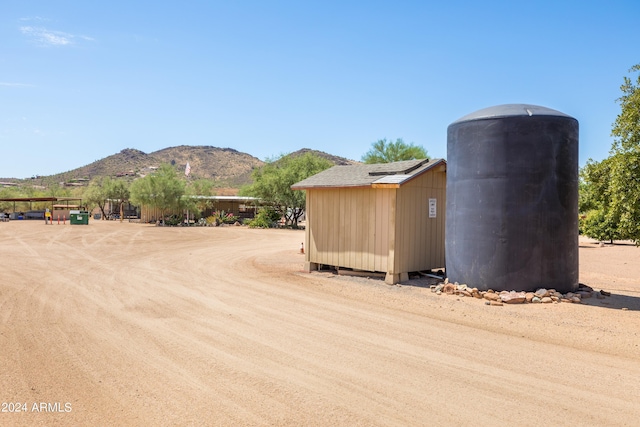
[(81, 80)]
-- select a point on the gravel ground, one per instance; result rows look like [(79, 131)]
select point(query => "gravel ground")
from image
[(130, 324)]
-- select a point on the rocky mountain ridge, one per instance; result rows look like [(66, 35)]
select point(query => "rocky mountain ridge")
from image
[(226, 166)]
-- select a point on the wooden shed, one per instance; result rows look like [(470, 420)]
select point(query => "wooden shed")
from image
[(386, 218)]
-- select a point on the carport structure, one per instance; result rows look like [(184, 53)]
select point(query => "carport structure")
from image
[(55, 202)]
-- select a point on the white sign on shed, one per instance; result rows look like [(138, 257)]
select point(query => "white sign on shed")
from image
[(432, 208)]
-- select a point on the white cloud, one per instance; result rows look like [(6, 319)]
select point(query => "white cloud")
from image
[(15, 84), (47, 37), (34, 18)]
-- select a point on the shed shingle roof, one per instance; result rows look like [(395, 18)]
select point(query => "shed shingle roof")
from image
[(362, 175)]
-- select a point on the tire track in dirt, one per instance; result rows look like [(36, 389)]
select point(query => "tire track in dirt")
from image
[(217, 326)]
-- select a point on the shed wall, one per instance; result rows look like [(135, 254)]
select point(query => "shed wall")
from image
[(349, 227), (419, 238), (151, 214), (378, 229)]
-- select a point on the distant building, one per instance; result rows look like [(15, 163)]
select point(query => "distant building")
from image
[(242, 207)]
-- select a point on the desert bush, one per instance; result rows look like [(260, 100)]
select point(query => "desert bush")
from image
[(265, 218), (228, 218), (221, 217), (173, 221)]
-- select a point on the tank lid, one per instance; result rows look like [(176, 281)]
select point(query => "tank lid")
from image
[(510, 110)]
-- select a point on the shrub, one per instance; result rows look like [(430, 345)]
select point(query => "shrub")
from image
[(173, 220), (220, 217), (228, 218), (266, 218)]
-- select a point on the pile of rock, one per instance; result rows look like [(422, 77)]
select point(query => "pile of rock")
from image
[(541, 296)]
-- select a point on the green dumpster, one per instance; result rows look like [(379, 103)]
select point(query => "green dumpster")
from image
[(79, 217)]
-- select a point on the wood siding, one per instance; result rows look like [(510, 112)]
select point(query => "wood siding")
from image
[(420, 239), (151, 214), (378, 229), (349, 227)]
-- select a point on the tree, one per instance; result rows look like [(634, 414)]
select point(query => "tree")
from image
[(118, 191), (625, 169), (199, 187), (105, 189), (626, 128), (600, 219), (96, 194), (383, 151), (55, 190), (8, 193), (612, 187), (162, 190), (272, 183)]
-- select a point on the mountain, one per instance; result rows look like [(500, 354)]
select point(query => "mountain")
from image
[(226, 166), (221, 164), (339, 161)]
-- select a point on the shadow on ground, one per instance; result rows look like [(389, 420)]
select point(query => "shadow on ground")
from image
[(615, 301)]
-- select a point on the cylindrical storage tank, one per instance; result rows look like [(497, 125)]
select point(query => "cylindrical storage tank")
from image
[(512, 199)]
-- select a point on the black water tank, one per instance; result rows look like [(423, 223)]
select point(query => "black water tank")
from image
[(512, 199)]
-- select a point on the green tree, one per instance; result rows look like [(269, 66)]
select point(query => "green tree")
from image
[(101, 190), (162, 190), (625, 169), (383, 151), (272, 184), (55, 190), (599, 217), (96, 194), (611, 188), (594, 185), (626, 128), (196, 188), (9, 193), (118, 193)]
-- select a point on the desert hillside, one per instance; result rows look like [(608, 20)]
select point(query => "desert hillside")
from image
[(226, 166)]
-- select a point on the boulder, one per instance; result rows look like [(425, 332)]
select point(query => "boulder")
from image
[(449, 289), (513, 297), (491, 296), (541, 293)]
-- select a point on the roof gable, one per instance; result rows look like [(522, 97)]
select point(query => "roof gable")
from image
[(363, 175)]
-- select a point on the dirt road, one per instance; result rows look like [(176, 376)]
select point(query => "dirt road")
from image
[(129, 324)]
